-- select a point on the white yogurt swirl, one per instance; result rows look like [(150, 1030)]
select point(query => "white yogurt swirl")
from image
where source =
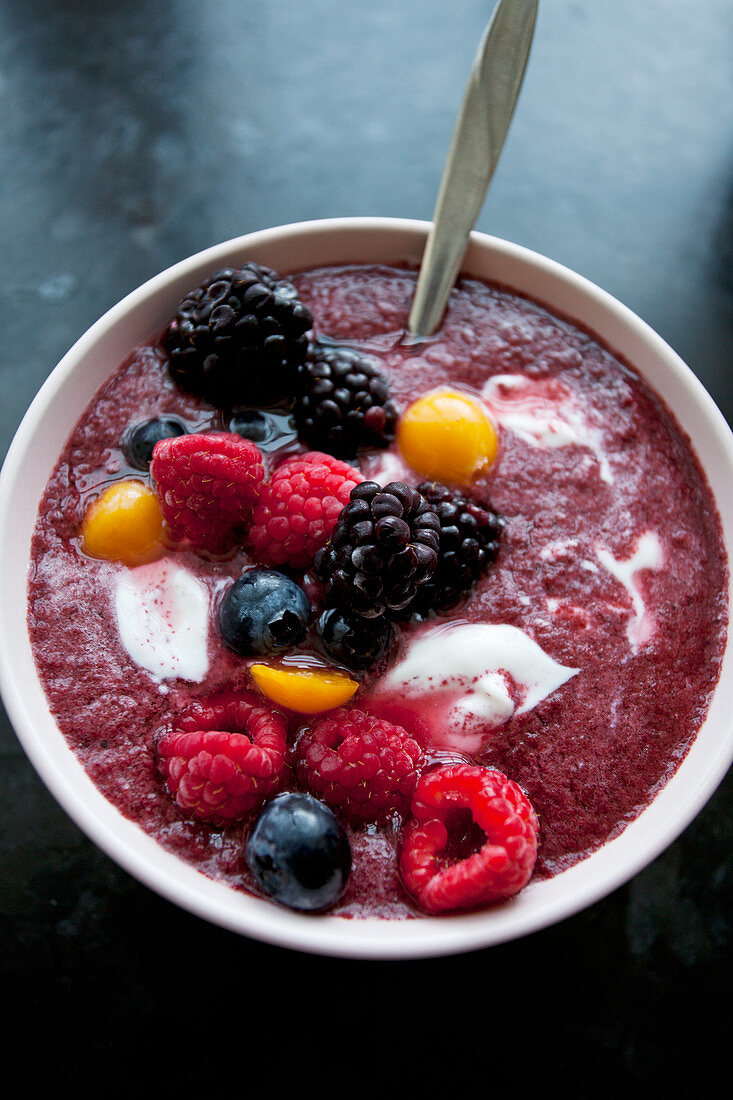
[(543, 414), (475, 676), (163, 620), (647, 554)]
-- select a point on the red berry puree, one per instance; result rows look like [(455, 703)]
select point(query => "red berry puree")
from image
[(571, 677)]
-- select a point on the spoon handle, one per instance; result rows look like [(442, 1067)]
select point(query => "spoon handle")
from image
[(478, 137)]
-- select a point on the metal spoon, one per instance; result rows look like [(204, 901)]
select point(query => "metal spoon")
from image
[(478, 137)]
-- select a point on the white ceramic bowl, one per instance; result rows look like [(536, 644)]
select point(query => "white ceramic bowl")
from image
[(43, 434)]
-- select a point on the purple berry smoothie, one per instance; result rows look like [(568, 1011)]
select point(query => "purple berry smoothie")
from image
[(611, 562)]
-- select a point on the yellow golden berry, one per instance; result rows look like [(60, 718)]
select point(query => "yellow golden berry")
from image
[(306, 689), (448, 436), (123, 524)]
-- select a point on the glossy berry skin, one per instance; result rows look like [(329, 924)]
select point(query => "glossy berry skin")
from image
[(263, 612), (251, 424), (448, 436), (140, 439), (299, 853), (383, 547), (353, 641), (469, 544), (123, 524), (239, 338), (343, 401)]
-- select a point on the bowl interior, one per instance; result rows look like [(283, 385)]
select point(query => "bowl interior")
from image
[(43, 434)]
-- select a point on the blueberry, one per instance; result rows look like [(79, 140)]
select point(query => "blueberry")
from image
[(251, 424), (355, 642), (270, 430), (140, 439), (263, 612), (299, 853)]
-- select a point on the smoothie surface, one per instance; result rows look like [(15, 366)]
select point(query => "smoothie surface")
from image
[(611, 564)]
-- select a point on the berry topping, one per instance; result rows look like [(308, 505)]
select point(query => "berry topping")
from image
[(123, 524), (140, 439), (239, 338), (263, 612), (383, 548), (444, 864), (298, 508), (299, 853), (342, 401), (206, 485), (272, 430), (362, 765), (251, 424), (222, 760), (469, 543), (306, 689), (447, 436), (353, 640)]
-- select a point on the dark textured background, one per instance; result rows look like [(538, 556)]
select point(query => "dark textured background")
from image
[(132, 134)]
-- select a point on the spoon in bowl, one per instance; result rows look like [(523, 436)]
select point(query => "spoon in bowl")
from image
[(478, 138)]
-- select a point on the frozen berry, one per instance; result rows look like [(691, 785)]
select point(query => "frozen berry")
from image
[(140, 439), (343, 401), (299, 853), (362, 765), (221, 761), (469, 543), (239, 338), (306, 689), (444, 864), (263, 612), (206, 484), (298, 507), (123, 524), (354, 641), (447, 435), (383, 547), (251, 424)]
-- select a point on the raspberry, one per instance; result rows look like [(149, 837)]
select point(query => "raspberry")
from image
[(364, 766), (206, 485), (434, 869), (221, 761), (298, 508)]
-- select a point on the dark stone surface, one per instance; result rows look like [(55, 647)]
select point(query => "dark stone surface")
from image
[(132, 134)]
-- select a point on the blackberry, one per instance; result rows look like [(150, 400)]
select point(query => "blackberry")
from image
[(239, 338), (343, 401), (469, 543), (384, 547)]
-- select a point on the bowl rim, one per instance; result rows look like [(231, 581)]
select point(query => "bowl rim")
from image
[(541, 904)]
